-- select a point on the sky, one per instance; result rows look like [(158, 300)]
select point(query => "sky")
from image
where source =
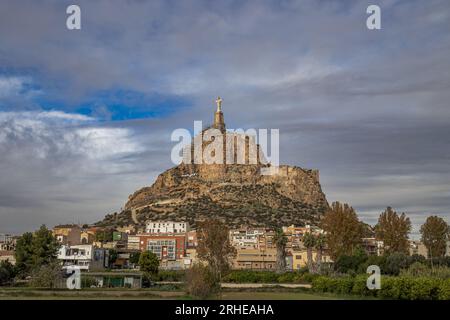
[(86, 115)]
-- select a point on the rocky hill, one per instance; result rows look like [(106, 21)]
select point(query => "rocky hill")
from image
[(239, 195), (236, 193)]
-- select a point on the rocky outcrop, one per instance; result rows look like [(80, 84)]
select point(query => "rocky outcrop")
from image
[(235, 193)]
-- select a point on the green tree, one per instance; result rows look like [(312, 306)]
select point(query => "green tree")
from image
[(134, 258), (344, 230), (112, 257), (320, 244), (309, 241), (214, 246), (24, 254), (435, 233), (395, 262), (35, 249), (280, 240), (149, 263), (353, 263), (393, 230), (7, 272), (44, 246), (105, 235), (47, 275)]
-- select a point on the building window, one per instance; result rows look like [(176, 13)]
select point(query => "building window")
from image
[(159, 247)]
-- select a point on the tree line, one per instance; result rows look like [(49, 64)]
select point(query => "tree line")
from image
[(344, 232)]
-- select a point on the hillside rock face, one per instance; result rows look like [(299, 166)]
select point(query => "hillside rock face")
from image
[(235, 193)]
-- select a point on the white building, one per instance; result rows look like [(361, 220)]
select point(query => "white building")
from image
[(133, 242), (246, 238), (86, 256), (153, 227), (7, 242)]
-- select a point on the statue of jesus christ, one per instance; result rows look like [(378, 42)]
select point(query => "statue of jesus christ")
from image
[(219, 104)]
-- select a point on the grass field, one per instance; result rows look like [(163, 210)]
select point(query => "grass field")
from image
[(249, 295), (127, 294)]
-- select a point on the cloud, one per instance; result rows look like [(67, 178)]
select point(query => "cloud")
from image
[(367, 108), (53, 161)]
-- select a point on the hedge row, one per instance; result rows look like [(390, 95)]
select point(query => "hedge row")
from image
[(169, 275), (246, 276), (404, 288)]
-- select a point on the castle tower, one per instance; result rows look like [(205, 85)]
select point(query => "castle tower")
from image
[(219, 122)]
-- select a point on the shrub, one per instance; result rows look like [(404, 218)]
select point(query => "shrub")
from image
[(360, 287), (247, 276), (308, 278), (200, 282), (418, 269), (293, 277), (415, 269), (7, 272), (88, 282), (170, 275), (404, 288), (417, 258), (394, 263), (424, 289), (372, 260), (398, 287), (47, 276), (444, 290), (347, 264), (410, 288), (344, 285), (321, 284)]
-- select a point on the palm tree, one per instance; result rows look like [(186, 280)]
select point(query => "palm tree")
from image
[(319, 245), (280, 240), (309, 241)]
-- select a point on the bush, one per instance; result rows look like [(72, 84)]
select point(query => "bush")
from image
[(415, 269), (321, 284), (341, 285), (47, 276), (424, 289), (444, 290), (441, 261), (418, 269), (170, 275), (404, 288), (200, 282), (344, 285), (394, 263), (347, 264), (360, 287), (7, 273), (248, 276), (372, 260), (88, 282), (308, 278)]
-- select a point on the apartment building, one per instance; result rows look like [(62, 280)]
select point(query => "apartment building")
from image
[(85, 256), (68, 234), (155, 227), (246, 237), (255, 259)]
